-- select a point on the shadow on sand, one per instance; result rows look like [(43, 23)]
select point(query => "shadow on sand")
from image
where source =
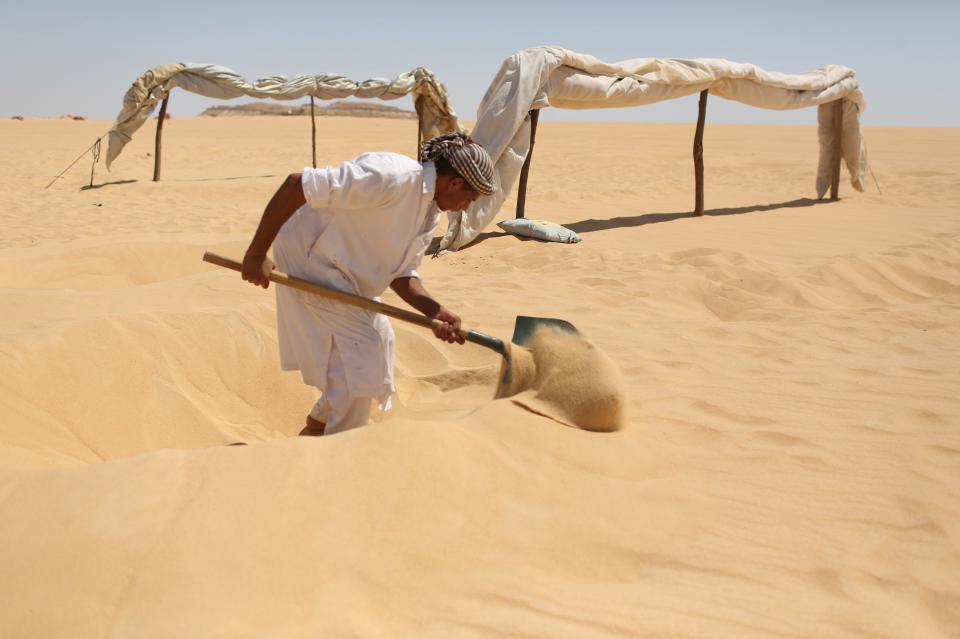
[(591, 225), (212, 179), (223, 179), (103, 184)]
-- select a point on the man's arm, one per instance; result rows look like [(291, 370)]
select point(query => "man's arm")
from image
[(284, 203), (411, 291)]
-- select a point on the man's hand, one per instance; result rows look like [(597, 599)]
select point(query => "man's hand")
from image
[(256, 269), (281, 207), (410, 289), (449, 331)]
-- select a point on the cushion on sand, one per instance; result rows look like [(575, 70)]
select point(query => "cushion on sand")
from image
[(540, 230)]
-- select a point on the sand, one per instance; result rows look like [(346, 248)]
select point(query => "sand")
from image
[(789, 465), (560, 374)]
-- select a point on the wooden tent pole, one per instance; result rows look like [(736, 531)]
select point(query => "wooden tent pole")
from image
[(96, 158), (418, 107), (157, 143), (698, 153), (837, 150), (313, 133), (525, 171)]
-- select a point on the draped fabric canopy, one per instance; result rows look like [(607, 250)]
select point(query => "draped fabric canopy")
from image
[(553, 76), (215, 81)]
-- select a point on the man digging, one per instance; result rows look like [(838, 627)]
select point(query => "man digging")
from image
[(360, 227)]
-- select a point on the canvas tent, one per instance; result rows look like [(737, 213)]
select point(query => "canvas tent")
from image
[(539, 77), (211, 80)]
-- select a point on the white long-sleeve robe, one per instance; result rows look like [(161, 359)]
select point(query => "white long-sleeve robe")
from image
[(365, 223)]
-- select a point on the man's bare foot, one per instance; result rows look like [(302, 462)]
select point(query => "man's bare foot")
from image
[(313, 428)]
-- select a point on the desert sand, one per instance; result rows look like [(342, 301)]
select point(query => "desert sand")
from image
[(789, 465)]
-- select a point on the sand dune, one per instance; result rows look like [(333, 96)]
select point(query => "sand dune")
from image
[(790, 465)]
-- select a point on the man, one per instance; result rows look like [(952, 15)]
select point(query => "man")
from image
[(360, 227)]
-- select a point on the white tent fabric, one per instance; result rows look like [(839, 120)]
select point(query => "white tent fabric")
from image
[(216, 81), (553, 76)]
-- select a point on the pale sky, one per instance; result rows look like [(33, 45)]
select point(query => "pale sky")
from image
[(60, 57)]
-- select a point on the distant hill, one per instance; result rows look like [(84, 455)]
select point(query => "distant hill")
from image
[(338, 108)]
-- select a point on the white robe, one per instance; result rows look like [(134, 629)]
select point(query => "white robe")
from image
[(365, 223)]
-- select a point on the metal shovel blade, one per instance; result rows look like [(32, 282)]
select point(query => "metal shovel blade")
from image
[(525, 327)]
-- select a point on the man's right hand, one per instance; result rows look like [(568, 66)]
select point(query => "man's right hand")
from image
[(256, 269)]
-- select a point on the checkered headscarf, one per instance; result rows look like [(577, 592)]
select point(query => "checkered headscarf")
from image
[(469, 159)]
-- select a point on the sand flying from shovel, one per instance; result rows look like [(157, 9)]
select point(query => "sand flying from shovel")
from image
[(563, 376)]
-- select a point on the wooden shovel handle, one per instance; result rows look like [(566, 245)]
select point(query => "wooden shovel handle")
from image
[(482, 339), (330, 293)]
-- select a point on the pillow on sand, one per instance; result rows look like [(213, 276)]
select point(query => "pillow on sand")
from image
[(540, 230)]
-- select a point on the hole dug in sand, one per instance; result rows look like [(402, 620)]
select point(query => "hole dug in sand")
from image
[(566, 378)]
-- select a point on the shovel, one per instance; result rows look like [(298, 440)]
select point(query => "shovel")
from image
[(523, 329)]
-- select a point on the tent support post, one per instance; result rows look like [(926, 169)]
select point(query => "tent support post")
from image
[(418, 107), (157, 143), (313, 133), (525, 171), (96, 158), (698, 153), (837, 151)]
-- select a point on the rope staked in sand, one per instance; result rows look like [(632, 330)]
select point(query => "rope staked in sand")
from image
[(566, 378)]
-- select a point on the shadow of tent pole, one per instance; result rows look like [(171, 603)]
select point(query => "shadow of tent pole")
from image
[(591, 225)]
